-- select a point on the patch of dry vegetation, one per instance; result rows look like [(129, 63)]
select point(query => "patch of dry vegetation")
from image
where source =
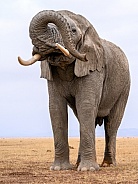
[(28, 161)]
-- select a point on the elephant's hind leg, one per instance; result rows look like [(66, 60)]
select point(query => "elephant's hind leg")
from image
[(111, 124)]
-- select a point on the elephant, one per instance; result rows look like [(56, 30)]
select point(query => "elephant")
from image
[(88, 74)]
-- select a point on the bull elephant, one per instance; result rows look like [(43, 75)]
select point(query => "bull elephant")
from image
[(89, 74)]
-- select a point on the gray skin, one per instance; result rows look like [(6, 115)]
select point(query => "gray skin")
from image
[(94, 81)]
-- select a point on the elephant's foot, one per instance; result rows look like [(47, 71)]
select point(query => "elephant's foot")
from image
[(57, 166), (108, 162), (88, 166)]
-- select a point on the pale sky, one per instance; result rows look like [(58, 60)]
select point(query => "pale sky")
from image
[(23, 95)]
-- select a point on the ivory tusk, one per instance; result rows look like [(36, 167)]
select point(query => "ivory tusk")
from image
[(35, 58), (65, 51)]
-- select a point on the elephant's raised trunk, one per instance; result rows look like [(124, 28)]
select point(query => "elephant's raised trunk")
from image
[(38, 27)]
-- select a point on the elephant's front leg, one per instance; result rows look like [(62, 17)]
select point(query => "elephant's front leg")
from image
[(59, 119), (86, 113)]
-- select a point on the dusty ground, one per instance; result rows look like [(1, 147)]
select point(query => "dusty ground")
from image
[(28, 161)]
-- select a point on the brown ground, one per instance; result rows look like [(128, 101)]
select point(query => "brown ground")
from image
[(28, 161)]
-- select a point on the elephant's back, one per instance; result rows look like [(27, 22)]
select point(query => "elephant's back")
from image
[(115, 54)]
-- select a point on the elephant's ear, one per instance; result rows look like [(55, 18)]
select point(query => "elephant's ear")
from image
[(46, 72), (92, 46)]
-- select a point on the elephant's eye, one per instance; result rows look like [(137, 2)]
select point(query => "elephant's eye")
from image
[(74, 30)]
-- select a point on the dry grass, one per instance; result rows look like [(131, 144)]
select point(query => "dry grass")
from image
[(28, 161)]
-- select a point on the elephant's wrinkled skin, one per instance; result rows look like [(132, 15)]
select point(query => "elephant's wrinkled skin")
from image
[(93, 80)]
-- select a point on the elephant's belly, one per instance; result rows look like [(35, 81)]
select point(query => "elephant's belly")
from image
[(110, 95), (107, 103), (103, 112)]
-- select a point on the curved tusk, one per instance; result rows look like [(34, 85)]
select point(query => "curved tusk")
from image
[(65, 51), (35, 58)]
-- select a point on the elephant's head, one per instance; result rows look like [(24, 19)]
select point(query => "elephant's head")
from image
[(53, 31)]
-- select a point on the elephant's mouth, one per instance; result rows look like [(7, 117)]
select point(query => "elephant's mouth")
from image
[(54, 55), (58, 59)]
